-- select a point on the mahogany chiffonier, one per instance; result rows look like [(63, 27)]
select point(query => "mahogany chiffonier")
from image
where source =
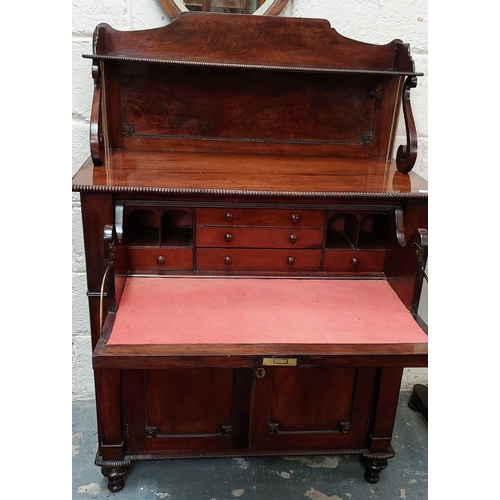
[(254, 255)]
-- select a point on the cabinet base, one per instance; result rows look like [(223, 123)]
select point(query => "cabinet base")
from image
[(115, 471)]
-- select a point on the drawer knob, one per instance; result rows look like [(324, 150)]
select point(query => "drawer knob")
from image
[(229, 216), (355, 262), (228, 237), (295, 218), (160, 260), (290, 260), (292, 238), (227, 260)]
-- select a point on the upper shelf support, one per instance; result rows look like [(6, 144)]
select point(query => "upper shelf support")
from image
[(96, 129), (407, 154)]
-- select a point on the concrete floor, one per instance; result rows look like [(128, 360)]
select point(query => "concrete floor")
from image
[(294, 478)]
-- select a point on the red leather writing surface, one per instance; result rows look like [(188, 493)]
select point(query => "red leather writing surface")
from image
[(259, 310)]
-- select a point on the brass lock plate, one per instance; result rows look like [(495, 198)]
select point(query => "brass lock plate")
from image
[(279, 361)]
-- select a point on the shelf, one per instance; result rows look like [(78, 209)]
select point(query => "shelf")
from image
[(338, 239), (142, 228), (175, 236), (370, 241), (239, 174), (264, 67), (363, 230)]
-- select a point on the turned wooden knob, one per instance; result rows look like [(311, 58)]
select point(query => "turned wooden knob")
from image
[(228, 237), (229, 216), (290, 260), (227, 260), (160, 260), (355, 262), (292, 238), (295, 218)]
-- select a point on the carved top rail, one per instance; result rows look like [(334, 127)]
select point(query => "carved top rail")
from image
[(229, 39)]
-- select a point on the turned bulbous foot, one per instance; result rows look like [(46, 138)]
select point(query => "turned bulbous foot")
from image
[(373, 466), (115, 477)]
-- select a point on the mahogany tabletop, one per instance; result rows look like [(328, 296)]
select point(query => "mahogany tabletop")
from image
[(247, 174)]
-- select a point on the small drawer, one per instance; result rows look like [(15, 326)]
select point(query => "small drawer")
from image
[(222, 259), (358, 261), (160, 259), (260, 217), (258, 237)]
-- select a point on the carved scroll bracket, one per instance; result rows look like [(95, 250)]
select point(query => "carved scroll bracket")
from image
[(108, 278), (406, 155), (96, 135), (400, 225), (119, 210)]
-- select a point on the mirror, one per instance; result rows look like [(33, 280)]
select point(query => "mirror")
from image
[(256, 7)]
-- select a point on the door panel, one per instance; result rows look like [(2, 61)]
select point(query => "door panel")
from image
[(188, 401), (297, 395), (190, 409), (307, 408)]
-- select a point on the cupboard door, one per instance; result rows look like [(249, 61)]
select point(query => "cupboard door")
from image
[(310, 408), (190, 409)]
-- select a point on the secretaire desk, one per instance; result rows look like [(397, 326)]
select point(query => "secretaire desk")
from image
[(254, 255)]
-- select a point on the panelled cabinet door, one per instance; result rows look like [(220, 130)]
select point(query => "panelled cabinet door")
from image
[(311, 408), (181, 411), (187, 409)]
